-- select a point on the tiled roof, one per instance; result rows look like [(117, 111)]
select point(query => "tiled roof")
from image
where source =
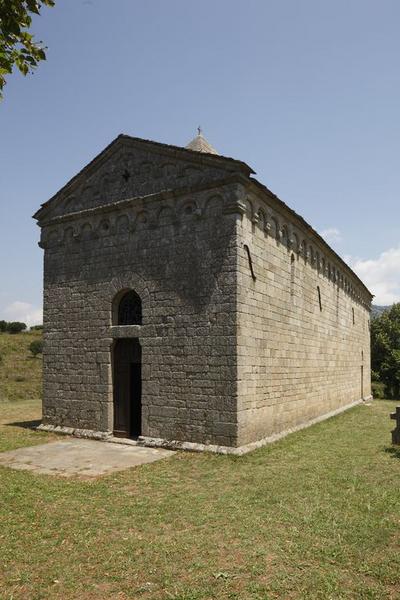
[(200, 144)]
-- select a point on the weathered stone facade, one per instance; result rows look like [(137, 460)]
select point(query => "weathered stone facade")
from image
[(252, 325)]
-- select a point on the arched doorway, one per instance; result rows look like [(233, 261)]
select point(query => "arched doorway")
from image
[(127, 388)]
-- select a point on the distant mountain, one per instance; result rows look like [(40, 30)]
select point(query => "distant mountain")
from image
[(378, 310)]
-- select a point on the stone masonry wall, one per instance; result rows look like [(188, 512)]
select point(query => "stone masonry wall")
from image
[(251, 324), (178, 252), (297, 358)]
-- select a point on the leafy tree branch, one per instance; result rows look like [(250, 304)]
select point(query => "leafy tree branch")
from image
[(17, 46), (385, 349)]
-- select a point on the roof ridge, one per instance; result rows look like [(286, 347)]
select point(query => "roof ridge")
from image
[(124, 136)]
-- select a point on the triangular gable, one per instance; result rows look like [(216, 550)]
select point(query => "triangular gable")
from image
[(130, 167)]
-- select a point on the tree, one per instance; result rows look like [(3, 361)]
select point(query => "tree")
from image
[(3, 326), (17, 45), (36, 347), (15, 327), (385, 349)]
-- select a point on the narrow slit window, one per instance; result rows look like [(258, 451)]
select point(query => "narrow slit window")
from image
[(292, 276), (250, 261), (354, 319), (337, 304), (319, 298)]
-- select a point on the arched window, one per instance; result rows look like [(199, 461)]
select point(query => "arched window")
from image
[(130, 309)]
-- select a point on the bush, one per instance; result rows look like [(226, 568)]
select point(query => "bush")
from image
[(15, 327), (36, 347), (19, 378), (378, 390), (375, 375), (36, 327), (385, 350), (3, 326)]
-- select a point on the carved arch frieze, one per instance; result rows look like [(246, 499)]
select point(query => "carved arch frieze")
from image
[(165, 216), (188, 209), (213, 205), (69, 235), (295, 242), (311, 255), (104, 227), (284, 236), (192, 171), (86, 195), (122, 224), (167, 170), (304, 249), (49, 238), (273, 227), (261, 219), (86, 231), (249, 210), (142, 219)]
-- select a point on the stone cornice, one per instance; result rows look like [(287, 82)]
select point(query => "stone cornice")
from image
[(131, 202), (291, 218), (235, 188)]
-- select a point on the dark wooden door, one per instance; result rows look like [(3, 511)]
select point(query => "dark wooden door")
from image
[(127, 388), (136, 404), (362, 381)]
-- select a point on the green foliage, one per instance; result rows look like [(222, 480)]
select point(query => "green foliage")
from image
[(37, 328), (17, 45), (376, 310), (12, 327), (36, 347), (15, 327), (385, 348), (375, 376), (378, 390)]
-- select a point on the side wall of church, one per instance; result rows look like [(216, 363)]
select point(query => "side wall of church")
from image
[(179, 255), (303, 325)]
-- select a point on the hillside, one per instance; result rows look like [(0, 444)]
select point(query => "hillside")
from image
[(378, 310), (20, 372)]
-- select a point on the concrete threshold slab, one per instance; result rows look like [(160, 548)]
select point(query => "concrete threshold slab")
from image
[(80, 457)]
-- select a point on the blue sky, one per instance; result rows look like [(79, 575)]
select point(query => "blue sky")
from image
[(307, 93)]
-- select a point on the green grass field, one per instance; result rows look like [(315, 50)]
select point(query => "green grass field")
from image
[(316, 515)]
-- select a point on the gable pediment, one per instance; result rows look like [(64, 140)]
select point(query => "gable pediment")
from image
[(130, 168)]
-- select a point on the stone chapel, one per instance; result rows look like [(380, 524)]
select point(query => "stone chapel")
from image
[(186, 305)]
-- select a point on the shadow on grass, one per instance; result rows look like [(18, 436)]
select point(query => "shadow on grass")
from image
[(394, 451), (25, 424), (386, 399)]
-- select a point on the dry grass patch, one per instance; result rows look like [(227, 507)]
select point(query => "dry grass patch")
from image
[(20, 371)]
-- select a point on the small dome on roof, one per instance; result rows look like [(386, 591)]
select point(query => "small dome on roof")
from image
[(200, 144)]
